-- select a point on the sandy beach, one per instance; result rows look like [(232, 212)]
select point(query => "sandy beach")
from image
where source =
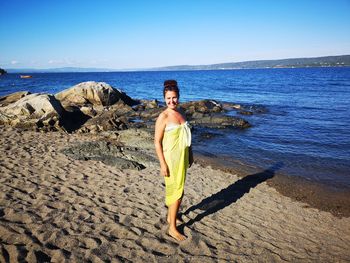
[(54, 208)]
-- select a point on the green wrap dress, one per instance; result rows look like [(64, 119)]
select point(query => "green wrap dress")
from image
[(176, 143)]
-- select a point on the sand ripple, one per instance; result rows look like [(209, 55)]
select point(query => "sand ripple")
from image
[(57, 209)]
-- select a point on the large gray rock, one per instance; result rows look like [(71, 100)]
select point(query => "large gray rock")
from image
[(110, 154), (91, 92), (33, 110), (202, 107), (220, 122), (113, 118), (245, 109)]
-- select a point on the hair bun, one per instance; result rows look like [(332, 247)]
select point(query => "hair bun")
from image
[(170, 83)]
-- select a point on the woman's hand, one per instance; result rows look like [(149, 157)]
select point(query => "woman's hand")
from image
[(164, 170)]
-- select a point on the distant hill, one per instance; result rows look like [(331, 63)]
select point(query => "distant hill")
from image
[(2, 71), (330, 61)]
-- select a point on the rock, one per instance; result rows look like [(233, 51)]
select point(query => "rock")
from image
[(150, 114), (95, 93), (97, 107), (11, 98), (34, 110), (88, 110), (140, 138), (112, 118), (121, 108), (256, 108), (197, 115), (245, 112), (106, 121), (73, 118), (139, 107), (220, 121), (231, 106), (119, 156), (246, 109), (202, 106), (150, 104)]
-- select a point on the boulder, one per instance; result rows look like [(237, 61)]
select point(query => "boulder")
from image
[(112, 118), (11, 98), (149, 104), (245, 112), (221, 121), (95, 93), (111, 154), (149, 114), (202, 106), (42, 111), (105, 121), (231, 106), (246, 109)]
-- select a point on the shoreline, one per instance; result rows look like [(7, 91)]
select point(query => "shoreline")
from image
[(313, 194)]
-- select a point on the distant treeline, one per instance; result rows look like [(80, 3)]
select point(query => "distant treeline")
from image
[(2, 71), (330, 61)]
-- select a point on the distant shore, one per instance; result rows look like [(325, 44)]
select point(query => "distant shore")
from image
[(326, 61)]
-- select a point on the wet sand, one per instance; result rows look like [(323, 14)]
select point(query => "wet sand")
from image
[(53, 208), (312, 194)]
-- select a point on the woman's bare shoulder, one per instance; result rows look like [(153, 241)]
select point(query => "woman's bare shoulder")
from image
[(162, 116)]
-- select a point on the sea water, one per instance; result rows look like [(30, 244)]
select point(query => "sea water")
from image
[(306, 126)]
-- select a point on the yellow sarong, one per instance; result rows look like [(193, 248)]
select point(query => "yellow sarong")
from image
[(176, 142)]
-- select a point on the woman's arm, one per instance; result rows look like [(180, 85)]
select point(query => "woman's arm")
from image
[(158, 137)]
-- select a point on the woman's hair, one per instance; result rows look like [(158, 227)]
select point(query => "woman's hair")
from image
[(171, 85)]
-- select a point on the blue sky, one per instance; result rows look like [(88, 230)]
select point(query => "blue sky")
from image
[(137, 34)]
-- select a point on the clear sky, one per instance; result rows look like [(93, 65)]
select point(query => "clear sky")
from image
[(137, 34)]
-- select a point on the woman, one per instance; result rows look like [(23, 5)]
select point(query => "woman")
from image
[(173, 146)]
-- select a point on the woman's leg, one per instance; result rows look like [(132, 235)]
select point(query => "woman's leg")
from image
[(178, 218), (172, 213)]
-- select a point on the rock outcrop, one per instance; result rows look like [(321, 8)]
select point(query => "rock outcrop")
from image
[(119, 156), (93, 93), (201, 107), (245, 109), (210, 114), (98, 107), (41, 111), (116, 117), (220, 122)]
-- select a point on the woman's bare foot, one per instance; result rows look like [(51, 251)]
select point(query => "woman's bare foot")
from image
[(176, 234)]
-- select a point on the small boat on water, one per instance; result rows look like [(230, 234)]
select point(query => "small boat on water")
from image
[(25, 76)]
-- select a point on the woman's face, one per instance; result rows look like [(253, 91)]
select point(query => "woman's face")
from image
[(171, 99)]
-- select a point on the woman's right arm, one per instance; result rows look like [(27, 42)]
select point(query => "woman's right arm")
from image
[(158, 138)]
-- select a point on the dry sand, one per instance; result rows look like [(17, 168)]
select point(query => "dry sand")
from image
[(53, 208)]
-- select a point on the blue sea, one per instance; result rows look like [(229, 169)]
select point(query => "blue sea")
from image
[(306, 127)]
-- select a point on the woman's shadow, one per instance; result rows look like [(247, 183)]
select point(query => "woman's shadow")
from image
[(231, 194)]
